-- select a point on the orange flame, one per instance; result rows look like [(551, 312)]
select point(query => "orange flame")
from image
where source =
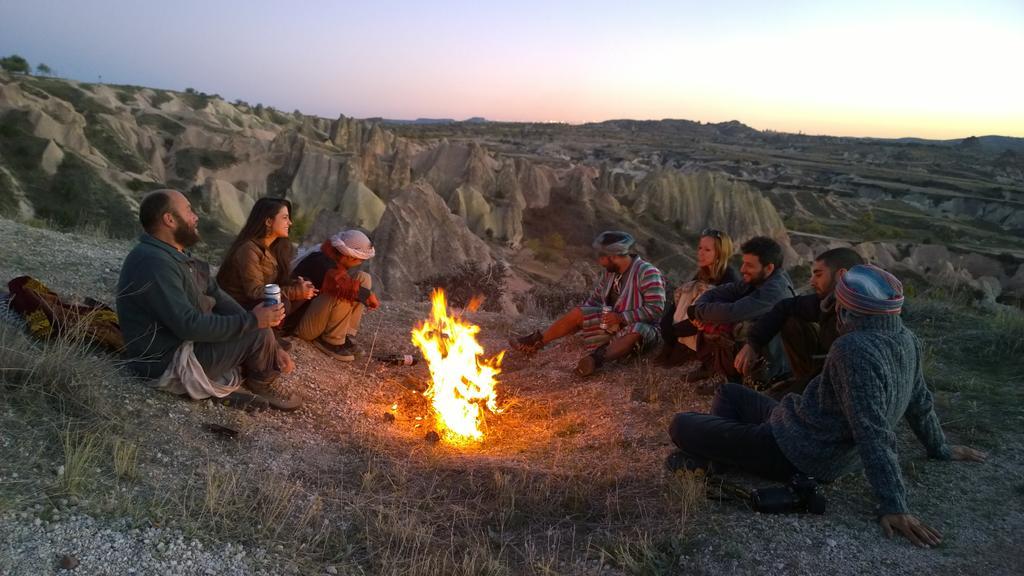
[(463, 382)]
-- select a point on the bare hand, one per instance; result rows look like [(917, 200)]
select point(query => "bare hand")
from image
[(697, 323), (372, 303), (908, 525), (746, 359), (613, 320), (284, 362), (268, 316), (308, 290), (967, 454)]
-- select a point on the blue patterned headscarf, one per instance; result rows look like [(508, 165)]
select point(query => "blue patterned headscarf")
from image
[(614, 243), (868, 290)]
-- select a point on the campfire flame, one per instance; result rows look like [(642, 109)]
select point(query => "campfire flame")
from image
[(463, 382)]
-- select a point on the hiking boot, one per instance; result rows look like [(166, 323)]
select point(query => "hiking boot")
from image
[(274, 393), (591, 362), (244, 400), (336, 351), (529, 344)]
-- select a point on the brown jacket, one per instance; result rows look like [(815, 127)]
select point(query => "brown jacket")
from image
[(248, 270)]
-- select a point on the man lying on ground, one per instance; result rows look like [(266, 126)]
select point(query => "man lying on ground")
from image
[(174, 315), (844, 420), (806, 324), (633, 291)]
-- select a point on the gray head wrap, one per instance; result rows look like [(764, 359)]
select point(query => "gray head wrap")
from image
[(353, 243), (613, 243)]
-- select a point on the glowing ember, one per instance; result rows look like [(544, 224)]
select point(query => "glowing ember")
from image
[(463, 382)]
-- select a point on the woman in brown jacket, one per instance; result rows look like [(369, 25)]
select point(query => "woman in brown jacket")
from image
[(260, 255)]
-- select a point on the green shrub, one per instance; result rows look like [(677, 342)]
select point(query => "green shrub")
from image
[(15, 63), (161, 123), (549, 249), (78, 198), (70, 93), (159, 98), (187, 161), (112, 146)]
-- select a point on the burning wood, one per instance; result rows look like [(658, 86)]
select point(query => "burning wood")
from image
[(463, 383)]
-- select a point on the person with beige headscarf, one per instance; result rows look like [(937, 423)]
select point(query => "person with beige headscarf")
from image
[(332, 318)]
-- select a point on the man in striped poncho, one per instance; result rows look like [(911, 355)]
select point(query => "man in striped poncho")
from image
[(634, 291)]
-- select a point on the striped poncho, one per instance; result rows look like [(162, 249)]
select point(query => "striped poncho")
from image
[(641, 300)]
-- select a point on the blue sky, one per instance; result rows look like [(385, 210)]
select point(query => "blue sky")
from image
[(931, 69)]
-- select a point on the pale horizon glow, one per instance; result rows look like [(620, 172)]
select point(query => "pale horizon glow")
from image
[(934, 69)]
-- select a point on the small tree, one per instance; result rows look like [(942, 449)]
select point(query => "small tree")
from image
[(15, 63), (43, 69)]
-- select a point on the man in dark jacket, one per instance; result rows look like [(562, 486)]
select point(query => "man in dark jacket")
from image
[(166, 297), (846, 418), (725, 312), (806, 323)]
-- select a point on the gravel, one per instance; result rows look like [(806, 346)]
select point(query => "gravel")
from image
[(85, 545)]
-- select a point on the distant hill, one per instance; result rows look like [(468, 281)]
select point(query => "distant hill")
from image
[(990, 143), (431, 121)]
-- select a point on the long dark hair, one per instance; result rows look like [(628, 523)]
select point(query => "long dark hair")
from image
[(256, 229)]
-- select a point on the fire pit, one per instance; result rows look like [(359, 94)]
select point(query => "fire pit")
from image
[(463, 384)]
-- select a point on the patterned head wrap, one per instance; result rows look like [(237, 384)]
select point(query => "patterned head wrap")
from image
[(868, 290), (353, 243), (613, 243)]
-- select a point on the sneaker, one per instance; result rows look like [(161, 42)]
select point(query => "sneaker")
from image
[(274, 393), (336, 351), (351, 347), (529, 344)]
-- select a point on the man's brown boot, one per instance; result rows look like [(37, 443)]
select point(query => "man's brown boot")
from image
[(274, 392), (528, 344)]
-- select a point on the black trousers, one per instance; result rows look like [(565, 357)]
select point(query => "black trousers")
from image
[(736, 433)]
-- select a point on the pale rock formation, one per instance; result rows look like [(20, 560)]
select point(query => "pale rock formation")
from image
[(360, 207), (419, 237), (52, 157), (228, 205), (707, 199)]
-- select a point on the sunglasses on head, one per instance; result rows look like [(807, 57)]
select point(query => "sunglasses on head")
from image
[(711, 232)]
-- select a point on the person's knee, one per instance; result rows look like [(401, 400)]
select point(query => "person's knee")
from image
[(723, 397), (364, 279), (681, 428)]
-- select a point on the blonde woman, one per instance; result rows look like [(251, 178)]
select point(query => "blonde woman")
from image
[(713, 252)]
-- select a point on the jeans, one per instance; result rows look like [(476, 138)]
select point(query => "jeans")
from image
[(736, 433)]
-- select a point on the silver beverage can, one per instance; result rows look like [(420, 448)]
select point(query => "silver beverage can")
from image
[(271, 295), (604, 310)]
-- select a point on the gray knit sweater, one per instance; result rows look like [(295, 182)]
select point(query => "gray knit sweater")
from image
[(847, 416)]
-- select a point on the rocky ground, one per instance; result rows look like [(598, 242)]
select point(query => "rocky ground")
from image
[(568, 480)]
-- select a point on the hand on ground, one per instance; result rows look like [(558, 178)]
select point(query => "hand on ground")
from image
[(745, 359), (913, 529), (284, 362), (268, 316), (967, 454)]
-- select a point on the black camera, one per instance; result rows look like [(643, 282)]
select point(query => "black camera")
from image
[(800, 495)]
